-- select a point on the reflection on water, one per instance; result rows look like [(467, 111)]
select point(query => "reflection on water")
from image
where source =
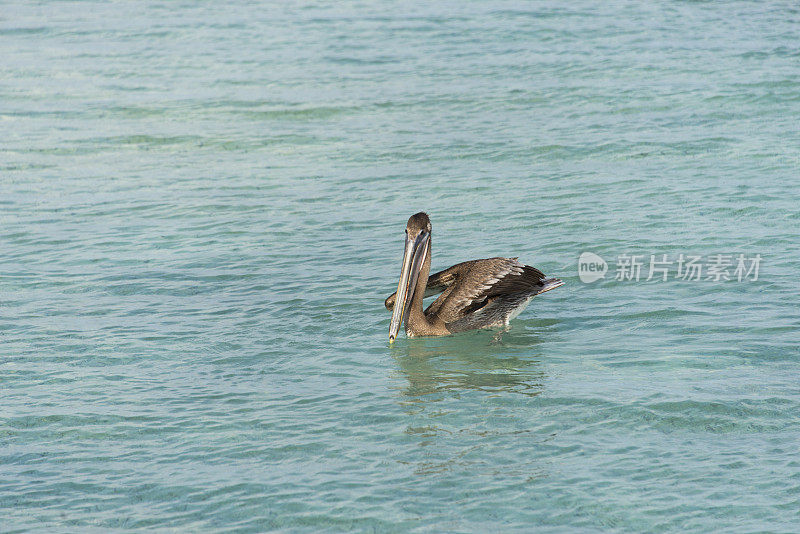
[(482, 360), (458, 389)]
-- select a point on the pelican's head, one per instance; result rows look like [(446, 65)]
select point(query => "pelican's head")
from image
[(418, 222), (418, 237)]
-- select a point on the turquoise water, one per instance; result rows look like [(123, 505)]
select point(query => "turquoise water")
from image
[(202, 210)]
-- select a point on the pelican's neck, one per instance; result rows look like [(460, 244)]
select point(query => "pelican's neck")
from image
[(418, 324)]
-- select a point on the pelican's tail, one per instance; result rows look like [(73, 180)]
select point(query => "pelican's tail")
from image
[(550, 283)]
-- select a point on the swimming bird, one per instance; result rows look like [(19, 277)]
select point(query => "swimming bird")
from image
[(474, 294)]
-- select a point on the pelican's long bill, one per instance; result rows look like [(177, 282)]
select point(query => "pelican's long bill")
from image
[(413, 258)]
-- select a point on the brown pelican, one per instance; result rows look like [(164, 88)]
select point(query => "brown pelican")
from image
[(474, 294)]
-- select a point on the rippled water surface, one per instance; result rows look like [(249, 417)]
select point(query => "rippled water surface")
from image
[(202, 209)]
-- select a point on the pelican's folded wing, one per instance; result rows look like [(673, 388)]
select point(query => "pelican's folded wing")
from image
[(485, 280)]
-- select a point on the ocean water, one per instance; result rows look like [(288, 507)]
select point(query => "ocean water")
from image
[(202, 209)]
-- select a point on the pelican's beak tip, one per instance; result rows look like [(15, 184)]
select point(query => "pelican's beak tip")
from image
[(391, 340)]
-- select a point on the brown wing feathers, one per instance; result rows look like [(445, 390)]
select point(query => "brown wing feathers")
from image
[(484, 280)]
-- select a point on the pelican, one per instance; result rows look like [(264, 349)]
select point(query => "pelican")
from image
[(474, 294)]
